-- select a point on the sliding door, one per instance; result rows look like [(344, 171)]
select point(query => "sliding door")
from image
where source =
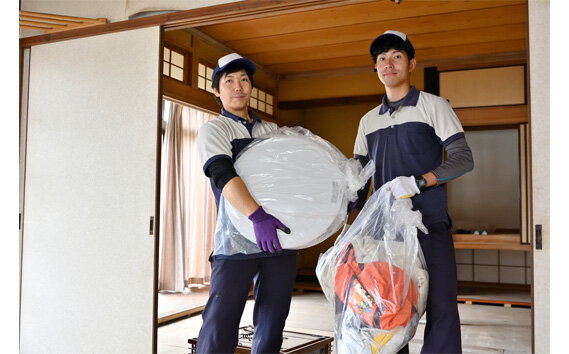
[(542, 242), (90, 192)]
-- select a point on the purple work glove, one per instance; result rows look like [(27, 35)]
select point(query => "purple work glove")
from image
[(265, 226)]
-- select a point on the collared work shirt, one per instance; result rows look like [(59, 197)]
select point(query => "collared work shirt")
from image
[(409, 141)]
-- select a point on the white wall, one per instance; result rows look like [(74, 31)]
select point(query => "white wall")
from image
[(488, 197), (112, 10)]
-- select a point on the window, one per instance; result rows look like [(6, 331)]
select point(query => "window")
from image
[(262, 101), (204, 77), (173, 64)]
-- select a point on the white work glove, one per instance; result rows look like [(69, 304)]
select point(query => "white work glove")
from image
[(403, 187)]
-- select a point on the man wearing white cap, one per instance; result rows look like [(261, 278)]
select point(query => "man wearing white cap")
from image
[(405, 136), (272, 269)]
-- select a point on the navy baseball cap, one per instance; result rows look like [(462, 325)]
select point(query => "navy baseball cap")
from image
[(395, 37), (233, 58)]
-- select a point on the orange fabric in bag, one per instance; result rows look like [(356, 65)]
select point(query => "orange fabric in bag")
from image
[(375, 291)]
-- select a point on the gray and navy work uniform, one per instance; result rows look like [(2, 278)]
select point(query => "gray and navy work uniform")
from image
[(219, 142), (407, 138)]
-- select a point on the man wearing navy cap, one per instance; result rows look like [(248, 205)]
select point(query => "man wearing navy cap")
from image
[(405, 136), (272, 269)]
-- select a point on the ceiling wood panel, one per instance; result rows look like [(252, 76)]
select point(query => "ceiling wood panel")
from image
[(337, 38), (476, 36), (347, 15), (432, 54), (424, 24), (322, 64)]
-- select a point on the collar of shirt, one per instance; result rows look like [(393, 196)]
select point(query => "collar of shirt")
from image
[(410, 99), (241, 119)]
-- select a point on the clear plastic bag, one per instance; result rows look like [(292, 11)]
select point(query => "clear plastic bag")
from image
[(376, 277), (298, 177)]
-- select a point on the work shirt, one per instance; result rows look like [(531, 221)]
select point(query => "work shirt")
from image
[(408, 141), (224, 137)]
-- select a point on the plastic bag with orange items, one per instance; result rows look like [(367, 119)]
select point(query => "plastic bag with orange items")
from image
[(375, 274)]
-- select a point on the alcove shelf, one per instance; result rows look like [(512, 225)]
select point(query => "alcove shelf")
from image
[(500, 242), (507, 295)]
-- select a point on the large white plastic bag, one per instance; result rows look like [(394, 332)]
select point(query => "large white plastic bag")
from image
[(301, 179), (376, 277)]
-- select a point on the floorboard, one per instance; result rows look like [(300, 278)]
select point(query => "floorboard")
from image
[(485, 329)]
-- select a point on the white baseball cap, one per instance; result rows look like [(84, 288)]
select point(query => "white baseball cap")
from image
[(233, 58)]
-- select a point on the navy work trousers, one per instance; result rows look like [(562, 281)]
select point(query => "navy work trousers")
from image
[(442, 330), (230, 283)]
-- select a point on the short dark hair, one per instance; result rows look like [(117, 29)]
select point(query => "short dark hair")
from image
[(231, 68), (393, 43)]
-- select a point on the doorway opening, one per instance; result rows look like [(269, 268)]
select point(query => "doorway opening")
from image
[(187, 215)]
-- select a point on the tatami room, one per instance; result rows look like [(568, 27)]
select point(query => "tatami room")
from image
[(317, 90), (313, 71)]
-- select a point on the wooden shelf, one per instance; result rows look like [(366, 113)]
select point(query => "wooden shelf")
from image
[(506, 242), (507, 295), (494, 115)]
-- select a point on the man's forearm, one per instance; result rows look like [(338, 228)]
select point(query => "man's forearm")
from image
[(236, 192), (459, 161), (430, 178)]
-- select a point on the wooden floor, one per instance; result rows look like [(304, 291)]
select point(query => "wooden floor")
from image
[(172, 306), (494, 319), (485, 329)]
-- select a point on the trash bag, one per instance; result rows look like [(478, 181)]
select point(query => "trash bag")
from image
[(376, 277), (298, 177)]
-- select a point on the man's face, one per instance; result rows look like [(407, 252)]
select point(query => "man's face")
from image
[(394, 68), (234, 90)]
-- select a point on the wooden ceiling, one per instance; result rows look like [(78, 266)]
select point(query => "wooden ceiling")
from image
[(455, 32)]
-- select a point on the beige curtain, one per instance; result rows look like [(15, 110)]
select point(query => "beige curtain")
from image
[(187, 205)]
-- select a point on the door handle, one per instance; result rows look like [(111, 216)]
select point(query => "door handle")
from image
[(538, 237)]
